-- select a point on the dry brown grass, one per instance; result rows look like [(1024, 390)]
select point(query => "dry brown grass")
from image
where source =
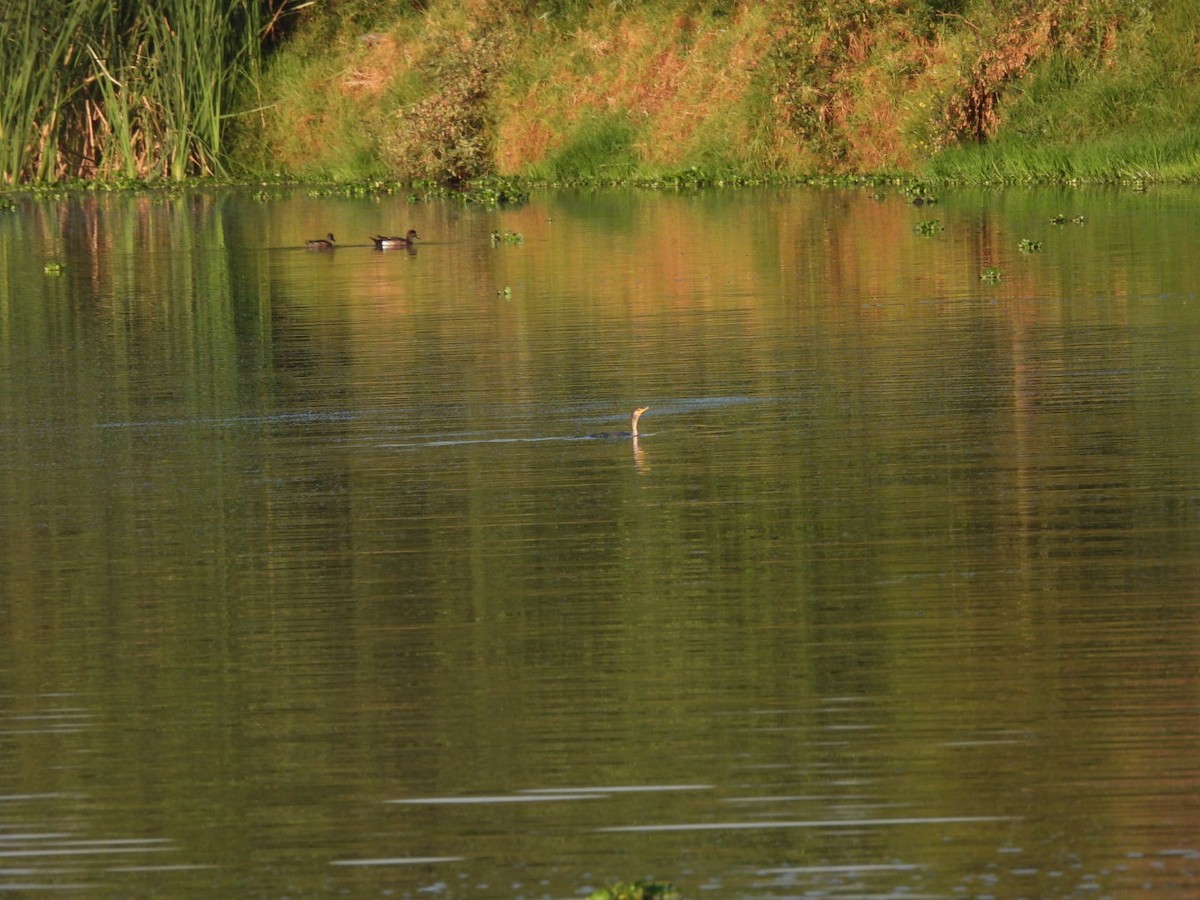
[(843, 86), (675, 77), (383, 57), (1006, 54)]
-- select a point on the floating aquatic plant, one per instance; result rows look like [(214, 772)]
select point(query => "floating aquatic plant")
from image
[(508, 237), (492, 190), (354, 189), (991, 275), (1025, 245), (1060, 219), (54, 267), (636, 890), (919, 194), (929, 227)]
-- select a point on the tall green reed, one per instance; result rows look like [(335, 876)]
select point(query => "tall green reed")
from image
[(94, 88)]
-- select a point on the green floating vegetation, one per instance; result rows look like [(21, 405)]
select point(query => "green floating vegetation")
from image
[(492, 190), (991, 275), (357, 189), (919, 194), (508, 237), (488, 191), (54, 268), (929, 227), (1025, 245), (636, 890)]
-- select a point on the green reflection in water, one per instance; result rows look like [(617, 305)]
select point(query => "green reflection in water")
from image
[(289, 536)]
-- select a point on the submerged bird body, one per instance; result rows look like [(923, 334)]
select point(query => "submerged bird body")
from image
[(391, 243), (633, 427), (325, 243)]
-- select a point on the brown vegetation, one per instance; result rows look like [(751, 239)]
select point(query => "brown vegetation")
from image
[(974, 112), (456, 90)]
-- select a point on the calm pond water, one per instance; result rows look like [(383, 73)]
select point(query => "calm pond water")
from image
[(313, 585)]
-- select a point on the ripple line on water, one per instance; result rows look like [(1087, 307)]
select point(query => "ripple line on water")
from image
[(621, 789), (231, 421), (848, 869), (498, 798), (817, 823), (397, 861)]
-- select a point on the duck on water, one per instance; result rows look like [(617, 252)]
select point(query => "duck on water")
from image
[(390, 243), (633, 427), (325, 243)]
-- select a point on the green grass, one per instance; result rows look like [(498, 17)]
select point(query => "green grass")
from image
[(1123, 106), (588, 91), (600, 148), (115, 90), (1133, 159)]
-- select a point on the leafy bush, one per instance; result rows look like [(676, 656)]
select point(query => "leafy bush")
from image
[(448, 135)]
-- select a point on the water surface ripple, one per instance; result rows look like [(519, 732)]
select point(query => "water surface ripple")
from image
[(314, 580)]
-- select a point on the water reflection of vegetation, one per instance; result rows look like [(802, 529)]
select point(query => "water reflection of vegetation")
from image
[(203, 573)]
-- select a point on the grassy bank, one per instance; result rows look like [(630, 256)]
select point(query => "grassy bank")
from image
[(593, 91), (570, 90)]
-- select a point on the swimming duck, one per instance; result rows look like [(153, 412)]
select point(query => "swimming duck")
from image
[(389, 243), (325, 243)]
